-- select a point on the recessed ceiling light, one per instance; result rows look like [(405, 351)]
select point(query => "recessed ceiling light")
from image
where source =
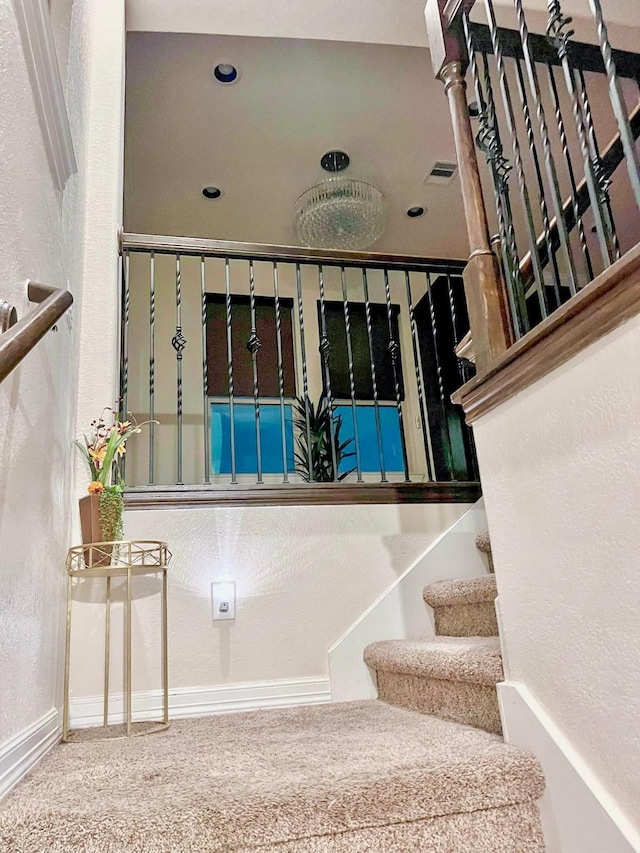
[(212, 192), (474, 109), (415, 212), (225, 73)]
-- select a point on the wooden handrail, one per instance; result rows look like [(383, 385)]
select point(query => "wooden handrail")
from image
[(22, 337), (611, 158)]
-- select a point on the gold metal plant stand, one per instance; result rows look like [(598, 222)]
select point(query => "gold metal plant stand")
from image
[(118, 560)]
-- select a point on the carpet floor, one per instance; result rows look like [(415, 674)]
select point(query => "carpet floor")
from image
[(361, 777)]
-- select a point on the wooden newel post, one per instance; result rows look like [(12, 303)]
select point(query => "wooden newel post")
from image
[(486, 300)]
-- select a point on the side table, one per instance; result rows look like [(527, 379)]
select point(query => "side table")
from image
[(118, 560)]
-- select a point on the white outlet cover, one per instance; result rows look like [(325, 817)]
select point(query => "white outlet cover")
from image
[(223, 600)]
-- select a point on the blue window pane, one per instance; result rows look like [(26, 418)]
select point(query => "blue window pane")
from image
[(245, 438), (367, 436)]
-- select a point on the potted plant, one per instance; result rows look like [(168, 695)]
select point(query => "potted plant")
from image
[(103, 447), (316, 431)]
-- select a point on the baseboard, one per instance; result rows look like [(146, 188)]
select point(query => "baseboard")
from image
[(204, 701), (578, 814), (23, 751)]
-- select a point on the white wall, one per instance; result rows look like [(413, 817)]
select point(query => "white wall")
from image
[(303, 576), (560, 470)]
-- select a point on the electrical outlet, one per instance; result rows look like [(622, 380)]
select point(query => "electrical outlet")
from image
[(223, 600)]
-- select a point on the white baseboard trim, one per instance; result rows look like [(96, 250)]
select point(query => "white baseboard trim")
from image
[(204, 701), (23, 751), (578, 813)]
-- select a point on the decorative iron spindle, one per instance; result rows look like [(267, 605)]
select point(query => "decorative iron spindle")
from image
[(632, 156), (542, 201), (374, 382), (205, 370), (152, 365), (283, 432), (434, 332), (179, 342), (604, 182), (352, 380), (570, 171), (549, 161), (325, 351), (424, 418), (232, 420), (253, 345), (454, 326), (559, 34), (394, 351), (305, 378)]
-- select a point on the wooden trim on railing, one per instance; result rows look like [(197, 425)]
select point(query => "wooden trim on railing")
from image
[(609, 300), (25, 334), (295, 254), (305, 494)]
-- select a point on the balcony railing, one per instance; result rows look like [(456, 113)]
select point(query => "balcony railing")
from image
[(267, 365)]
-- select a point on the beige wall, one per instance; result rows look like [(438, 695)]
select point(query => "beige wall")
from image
[(165, 356), (560, 470)]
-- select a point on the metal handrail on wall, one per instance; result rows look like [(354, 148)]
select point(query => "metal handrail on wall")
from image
[(21, 336)]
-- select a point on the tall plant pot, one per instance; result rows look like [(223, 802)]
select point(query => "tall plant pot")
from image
[(91, 527)]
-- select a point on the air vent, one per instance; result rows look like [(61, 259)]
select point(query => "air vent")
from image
[(441, 173)]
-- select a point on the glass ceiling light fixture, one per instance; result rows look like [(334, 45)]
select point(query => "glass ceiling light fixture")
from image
[(339, 212)]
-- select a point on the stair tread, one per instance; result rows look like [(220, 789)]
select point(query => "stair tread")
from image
[(470, 659), (461, 591)]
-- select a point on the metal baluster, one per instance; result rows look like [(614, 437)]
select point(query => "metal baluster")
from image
[(179, 342), (517, 156), (285, 467), (462, 373), (546, 225), (325, 350), (152, 365), (617, 101), (572, 177), (550, 167), (232, 412), (489, 142), (374, 383), (124, 345), (253, 345), (394, 350), (305, 379), (424, 418), (434, 332), (603, 182), (352, 380), (558, 35), (205, 371)]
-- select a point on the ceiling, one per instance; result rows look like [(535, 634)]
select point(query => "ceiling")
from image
[(261, 139)]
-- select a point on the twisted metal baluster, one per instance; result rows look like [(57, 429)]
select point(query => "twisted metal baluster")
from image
[(603, 181), (283, 432), (559, 34), (489, 142), (152, 365), (205, 369), (374, 383), (232, 413), (434, 332), (179, 342), (572, 177), (550, 167), (546, 224), (253, 345), (325, 351), (424, 419), (617, 101), (394, 351), (352, 380), (305, 379)]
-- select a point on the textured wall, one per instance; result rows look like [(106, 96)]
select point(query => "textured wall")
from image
[(303, 576), (560, 470)]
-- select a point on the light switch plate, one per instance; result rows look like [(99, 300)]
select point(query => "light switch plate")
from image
[(223, 600)]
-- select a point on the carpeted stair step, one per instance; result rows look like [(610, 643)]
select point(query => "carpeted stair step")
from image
[(452, 677), (483, 544), (354, 777), (464, 608)]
